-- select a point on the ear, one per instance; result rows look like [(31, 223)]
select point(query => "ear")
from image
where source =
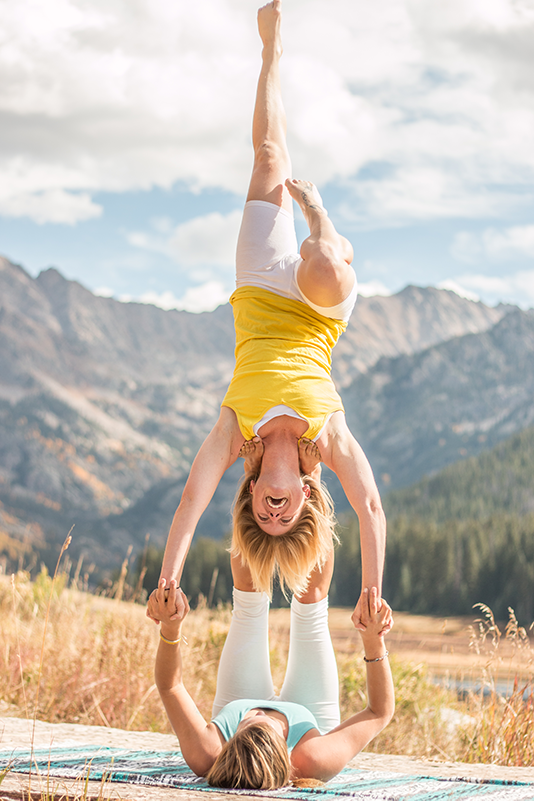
[(251, 486), (306, 490)]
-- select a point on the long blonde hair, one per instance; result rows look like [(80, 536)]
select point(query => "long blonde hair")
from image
[(255, 758), (292, 555)]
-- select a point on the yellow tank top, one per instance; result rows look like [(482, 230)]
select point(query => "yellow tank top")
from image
[(283, 356)]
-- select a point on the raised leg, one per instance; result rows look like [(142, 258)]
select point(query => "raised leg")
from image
[(311, 676), (271, 157), (244, 667)]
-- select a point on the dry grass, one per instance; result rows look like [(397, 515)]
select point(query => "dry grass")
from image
[(97, 663), (95, 666)]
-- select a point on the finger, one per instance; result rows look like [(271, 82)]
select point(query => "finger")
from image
[(160, 592), (373, 603), (171, 600), (385, 611), (186, 602), (364, 611)]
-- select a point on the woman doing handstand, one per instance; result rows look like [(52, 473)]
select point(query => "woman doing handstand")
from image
[(255, 739), (282, 411)]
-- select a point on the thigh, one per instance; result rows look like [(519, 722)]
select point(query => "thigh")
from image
[(311, 677), (244, 667), (272, 166), (266, 237)]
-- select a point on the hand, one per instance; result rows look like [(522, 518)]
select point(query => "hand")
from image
[(374, 615), (357, 615), (170, 606)]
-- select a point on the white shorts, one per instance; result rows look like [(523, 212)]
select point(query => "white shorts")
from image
[(268, 257)]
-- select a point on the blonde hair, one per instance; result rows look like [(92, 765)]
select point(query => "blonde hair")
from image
[(291, 556), (255, 758)]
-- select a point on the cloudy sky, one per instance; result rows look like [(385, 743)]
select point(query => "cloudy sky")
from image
[(125, 140)]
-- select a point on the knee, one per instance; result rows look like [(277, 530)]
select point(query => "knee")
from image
[(269, 156), (325, 265)]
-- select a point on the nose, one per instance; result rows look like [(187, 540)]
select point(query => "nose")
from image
[(273, 514)]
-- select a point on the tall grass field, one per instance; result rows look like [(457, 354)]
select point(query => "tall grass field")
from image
[(72, 657)]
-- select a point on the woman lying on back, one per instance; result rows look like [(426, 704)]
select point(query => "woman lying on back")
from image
[(256, 739)]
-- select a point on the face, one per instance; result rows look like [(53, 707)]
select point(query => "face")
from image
[(276, 508), (255, 716)]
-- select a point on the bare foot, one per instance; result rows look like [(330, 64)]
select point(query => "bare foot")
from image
[(309, 457), (269, 22), (252, 452), (307, 196)]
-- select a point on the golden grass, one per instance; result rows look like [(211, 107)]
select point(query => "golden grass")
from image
[(95, 666)]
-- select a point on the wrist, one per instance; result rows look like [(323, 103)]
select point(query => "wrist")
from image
[(374, 648), (171, 631)]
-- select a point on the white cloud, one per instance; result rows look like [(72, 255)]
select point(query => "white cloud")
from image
[(210, 239), (103, 292), (205, 297), (516, 242), (113, 97), (454, 286), (517, 288), (51, 206), (206, 243), (419, 194), (370, 288)]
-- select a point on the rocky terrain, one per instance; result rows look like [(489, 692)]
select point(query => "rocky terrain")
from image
[(103, 404)]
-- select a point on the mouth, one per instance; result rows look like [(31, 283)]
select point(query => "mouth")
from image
[(276, 503)]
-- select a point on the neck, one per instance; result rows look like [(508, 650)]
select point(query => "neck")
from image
[(280, 451)]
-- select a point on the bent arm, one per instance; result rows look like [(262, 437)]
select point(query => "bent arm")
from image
[(200, 742), (345, 457), (321, 757), (218, 452)]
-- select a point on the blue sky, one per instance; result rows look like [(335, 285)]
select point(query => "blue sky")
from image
[(125, 148)]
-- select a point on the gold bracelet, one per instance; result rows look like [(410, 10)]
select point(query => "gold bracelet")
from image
[(170, 642), (378, 658)]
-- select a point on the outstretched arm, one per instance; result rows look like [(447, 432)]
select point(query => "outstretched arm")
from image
[(219, 450), (322, 757), (344, 456), (200, 742)]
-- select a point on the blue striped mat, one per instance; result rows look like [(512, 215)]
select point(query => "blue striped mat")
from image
[(168, 769)]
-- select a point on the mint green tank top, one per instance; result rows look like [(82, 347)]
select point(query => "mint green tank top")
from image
[(299, 718)]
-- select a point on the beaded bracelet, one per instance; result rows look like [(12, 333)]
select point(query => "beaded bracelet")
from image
[(170, 642), (378, 658)]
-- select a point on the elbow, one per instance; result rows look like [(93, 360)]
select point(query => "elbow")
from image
[(375, 510), (384, 715), (200, 766)]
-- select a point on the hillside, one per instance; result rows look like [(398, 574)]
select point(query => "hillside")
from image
[(104, 404), (415, 414), (498, 480), (462, 537)]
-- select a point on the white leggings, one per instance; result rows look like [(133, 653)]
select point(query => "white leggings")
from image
[(311, 675)]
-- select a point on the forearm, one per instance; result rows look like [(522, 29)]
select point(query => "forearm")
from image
[(179, 541), (380, 690), (168, 668), (373, 545)]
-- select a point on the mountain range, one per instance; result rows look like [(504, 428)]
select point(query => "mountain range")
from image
[(103, 404)]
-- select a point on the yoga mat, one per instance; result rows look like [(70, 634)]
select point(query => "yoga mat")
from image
[(168, 769)]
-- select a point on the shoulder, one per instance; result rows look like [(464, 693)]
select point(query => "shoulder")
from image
[(303, 757), (225, 435), (334, 433), (228, 426)]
